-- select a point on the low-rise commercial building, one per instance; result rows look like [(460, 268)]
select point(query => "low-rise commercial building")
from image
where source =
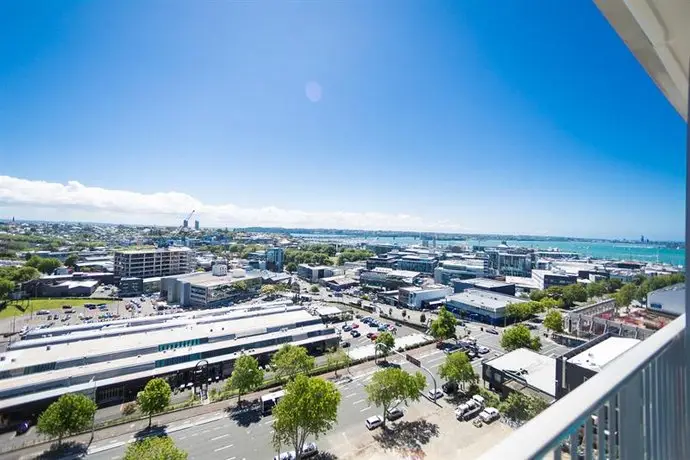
[(119, 366), (418, 263), (523, 371), (419, 298), (478, 305), (545, 279), (669, 300), (211, 289), (146, 263), (384, 261), (449, 270), (338, 283), (485, 284), (74, 288), (131, 287), (388, 279), (314, 273), (504, 263), (585, 361)]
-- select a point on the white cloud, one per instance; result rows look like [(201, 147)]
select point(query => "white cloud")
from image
[(73, 200)]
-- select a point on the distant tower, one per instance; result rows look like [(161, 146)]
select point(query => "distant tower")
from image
[(185, 223), (642, 239), (196, 225)]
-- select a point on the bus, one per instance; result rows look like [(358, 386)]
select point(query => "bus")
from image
[(269, 400)]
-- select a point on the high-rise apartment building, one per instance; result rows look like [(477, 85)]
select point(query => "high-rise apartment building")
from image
[(196, 225), (146, 263)]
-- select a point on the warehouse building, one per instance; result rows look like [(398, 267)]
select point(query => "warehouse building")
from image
[(478, 305), (484, 284), (669, 300)]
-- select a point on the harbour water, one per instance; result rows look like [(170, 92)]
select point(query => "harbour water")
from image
[(594, 249)]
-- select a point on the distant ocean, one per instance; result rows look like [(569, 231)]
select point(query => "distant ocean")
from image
[(595, 249)]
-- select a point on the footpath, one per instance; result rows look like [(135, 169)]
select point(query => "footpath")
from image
[(195, 415)]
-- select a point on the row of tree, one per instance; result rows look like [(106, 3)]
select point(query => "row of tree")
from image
[(353, 255)]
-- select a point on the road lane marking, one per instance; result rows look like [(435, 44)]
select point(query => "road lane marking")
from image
[(366, 408), (359, 401), (436, 359), (350, 395), (181, 438), (232, 458), (220, 437), (195, 434), (218, 428), (223, 448), (205, 431), (270, 422)]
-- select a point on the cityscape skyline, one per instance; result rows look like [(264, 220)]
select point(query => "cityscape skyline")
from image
[(421, 118)]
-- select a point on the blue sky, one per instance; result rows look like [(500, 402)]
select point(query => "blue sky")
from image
[(458, 116)]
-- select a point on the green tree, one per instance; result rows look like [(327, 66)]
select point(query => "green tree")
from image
[(240, 286), (70, 414), (458, 369), (393, 384), (71, 261), (625, 295), (154, 398), (521, 407), (554, 321), (309, 408), (291, 267), (291, 360), (314, 288), (443, 327), (6, 287), (384, 344), (614, 284), (519, 337), (537, 295), (154, 448), (47, 265), (519, 311), (596, 289), (336, 358), (573, 293), (246, 375), (32, 261), (268, 289)]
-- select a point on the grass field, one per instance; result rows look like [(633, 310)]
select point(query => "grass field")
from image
[(24, 307)]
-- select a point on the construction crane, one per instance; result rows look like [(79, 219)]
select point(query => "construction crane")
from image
[(166, 242)]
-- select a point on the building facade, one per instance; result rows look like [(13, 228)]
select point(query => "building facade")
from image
[(458, 269), (669, 300), (314, 273), (484, 306), (419, 298), (146, 263), (422, 264), (274, 259)]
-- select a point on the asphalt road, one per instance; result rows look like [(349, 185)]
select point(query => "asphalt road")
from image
[(246, 435)]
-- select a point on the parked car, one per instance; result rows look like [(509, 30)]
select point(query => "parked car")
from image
[(394, 413), (369, 334), (449, 387), (23, 427), (309, 450), (492, 331), (435, 394), (383, 328), (344, 344), (347, 327), (355, 333), (489, 414), (285, 456), (373, 422), (42, 312), (374, 336), (482, 350), (355, 325)]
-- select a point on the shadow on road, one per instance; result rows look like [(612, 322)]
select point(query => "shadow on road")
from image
[(407, 435), (66, 449), (325, 456), (245, 413), (155, 430)]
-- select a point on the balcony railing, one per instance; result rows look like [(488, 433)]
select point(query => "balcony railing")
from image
[(636, 408)]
